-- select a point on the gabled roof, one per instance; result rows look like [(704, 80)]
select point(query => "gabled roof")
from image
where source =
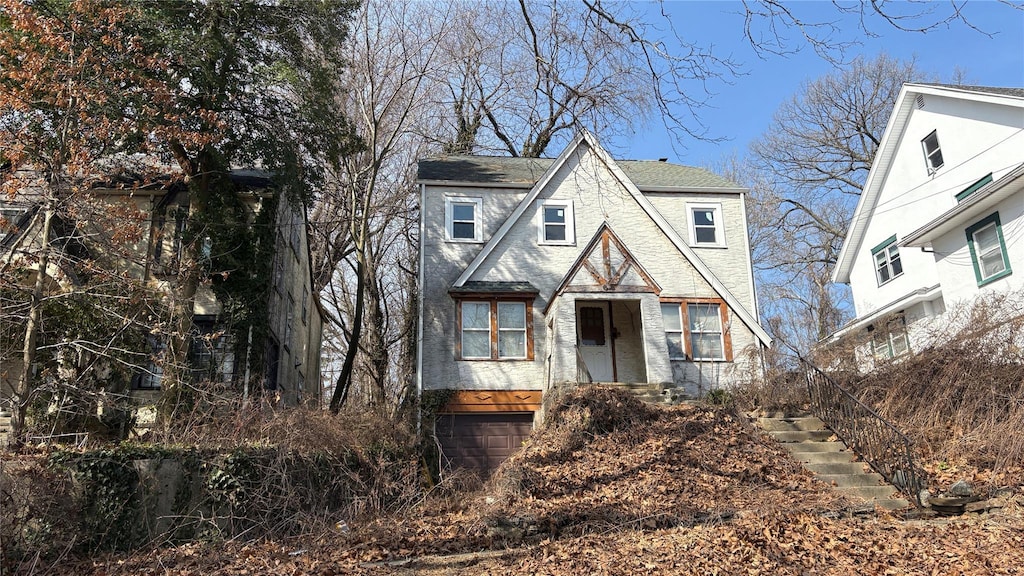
[(646, 174), (586, 137), (887, 149)]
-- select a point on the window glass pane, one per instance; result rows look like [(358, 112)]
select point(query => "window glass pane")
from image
[(670, 315), (881, 347), (992, 264), (591, 321), (462, 212), (554, 215), (476, 344), (512, 344), (894, 261), (704, 318), (704, 217), (476, 315), (675, 344), (899, 344), (705, 235), (707, 347), (511, 315), (986, 238), (463, 230), (554, 232)]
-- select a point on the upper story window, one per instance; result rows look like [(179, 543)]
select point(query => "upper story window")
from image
[(495, 329), (887, 260), (462, 219), (706, 227), (988, 250), (556, 222), (694, 330), (932, 153)]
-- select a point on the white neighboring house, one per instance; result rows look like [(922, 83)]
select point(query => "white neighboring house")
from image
[(941, 217), (539, 272)]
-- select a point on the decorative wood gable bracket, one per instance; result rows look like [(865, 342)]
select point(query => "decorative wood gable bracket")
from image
[(608, 263)]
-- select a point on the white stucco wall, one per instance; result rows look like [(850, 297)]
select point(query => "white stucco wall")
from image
[(975, 139), (597, 198), (953, 258)]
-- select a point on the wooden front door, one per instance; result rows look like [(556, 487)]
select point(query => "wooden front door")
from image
[(593, 336)]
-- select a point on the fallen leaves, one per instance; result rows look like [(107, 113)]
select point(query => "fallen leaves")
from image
[(685, 490)]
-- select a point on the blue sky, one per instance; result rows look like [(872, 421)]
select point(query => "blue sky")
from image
[(743, 109)]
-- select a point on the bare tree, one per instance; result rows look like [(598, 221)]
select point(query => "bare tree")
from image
[(813, 160), (363, 217)]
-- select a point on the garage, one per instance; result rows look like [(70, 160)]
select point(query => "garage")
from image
[(481, 440)]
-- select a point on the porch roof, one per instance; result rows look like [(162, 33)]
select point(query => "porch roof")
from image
[(489, 287)]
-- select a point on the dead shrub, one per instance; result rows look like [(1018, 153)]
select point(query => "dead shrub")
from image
[(961, 399), (573, 418), (771, 384)]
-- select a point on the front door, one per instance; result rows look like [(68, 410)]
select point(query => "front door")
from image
[(593, 336)]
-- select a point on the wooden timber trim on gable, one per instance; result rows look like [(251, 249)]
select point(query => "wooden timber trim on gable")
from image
[(608, 278), (463, 401)]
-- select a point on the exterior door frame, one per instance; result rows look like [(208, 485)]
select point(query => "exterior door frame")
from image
[(590, 351)]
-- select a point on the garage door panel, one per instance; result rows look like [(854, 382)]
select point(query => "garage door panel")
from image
[(482, 440)]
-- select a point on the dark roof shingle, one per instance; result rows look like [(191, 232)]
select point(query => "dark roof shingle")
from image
[(527, 171)]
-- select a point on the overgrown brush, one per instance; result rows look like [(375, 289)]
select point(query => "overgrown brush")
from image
[(251, 474), (961, 399), (573, 417)]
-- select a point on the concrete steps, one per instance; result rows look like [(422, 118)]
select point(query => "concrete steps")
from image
[(810, 442), (650, 393)]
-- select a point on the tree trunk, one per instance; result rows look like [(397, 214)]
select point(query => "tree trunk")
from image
[(344, 381), (25, 385)]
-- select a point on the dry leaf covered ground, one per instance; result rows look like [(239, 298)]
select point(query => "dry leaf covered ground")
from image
[(616, 487)]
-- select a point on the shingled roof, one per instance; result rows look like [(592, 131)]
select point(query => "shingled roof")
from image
[(527, 171), (1001, 91)]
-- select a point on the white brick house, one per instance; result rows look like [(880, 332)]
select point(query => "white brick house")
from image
[(941, 217), (539, 272)]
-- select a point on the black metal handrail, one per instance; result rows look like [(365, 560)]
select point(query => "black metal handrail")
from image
[(887, 450)]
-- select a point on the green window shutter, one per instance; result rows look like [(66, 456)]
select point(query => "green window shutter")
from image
[(973, 188)]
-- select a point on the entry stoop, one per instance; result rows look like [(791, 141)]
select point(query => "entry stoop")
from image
[(665, 394), (811, 443)]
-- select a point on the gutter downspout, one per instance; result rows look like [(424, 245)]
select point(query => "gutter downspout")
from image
[(419, 319)]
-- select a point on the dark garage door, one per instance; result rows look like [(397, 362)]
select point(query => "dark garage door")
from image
[(482, 441)]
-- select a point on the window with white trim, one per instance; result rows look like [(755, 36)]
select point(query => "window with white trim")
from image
[(495, 329), (706, 227), (932, 152), (988, 250), (694, 330), (462, 219), (887, 260), (556, 223)]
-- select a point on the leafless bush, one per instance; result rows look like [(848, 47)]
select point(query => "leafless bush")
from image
[(770, 384), (961, 398)]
